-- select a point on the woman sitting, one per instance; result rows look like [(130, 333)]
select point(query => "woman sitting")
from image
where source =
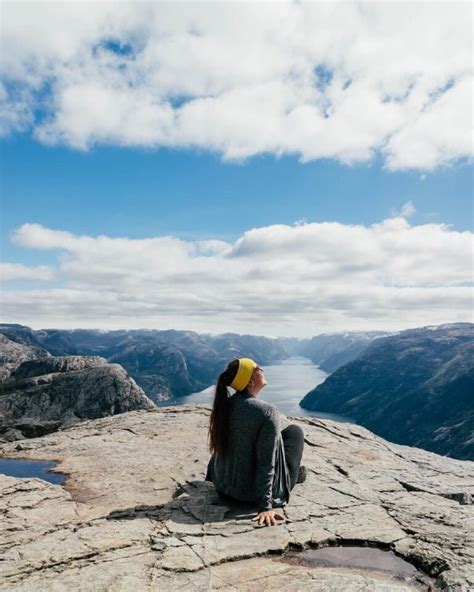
[(252, 460)]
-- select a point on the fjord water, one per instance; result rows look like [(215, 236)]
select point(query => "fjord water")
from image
[(288, 382)]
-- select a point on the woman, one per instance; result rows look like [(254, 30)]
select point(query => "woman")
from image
[(252, 461)]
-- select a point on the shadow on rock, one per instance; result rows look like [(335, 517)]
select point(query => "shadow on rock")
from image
[(193, 503)]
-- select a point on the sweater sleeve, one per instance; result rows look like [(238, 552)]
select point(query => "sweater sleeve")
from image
[(266, 449)]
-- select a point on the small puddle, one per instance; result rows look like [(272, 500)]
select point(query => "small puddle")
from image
[(25, 469), (364, 558)]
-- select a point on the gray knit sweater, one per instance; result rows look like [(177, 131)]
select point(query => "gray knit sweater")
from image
[(254, 468)]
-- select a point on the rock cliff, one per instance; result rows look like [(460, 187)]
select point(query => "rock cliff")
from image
[(422, 379), (40, 395), (12, 354), (136, 514)]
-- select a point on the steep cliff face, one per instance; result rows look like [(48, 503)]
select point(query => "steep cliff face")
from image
[(136, 513), (162, 371), (413, 388), (43, 394)]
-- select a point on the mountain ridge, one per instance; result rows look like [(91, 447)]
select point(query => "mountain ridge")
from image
[(422, 379), (194, 360)]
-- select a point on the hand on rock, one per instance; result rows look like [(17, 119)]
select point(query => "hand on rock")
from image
[(268, 517)]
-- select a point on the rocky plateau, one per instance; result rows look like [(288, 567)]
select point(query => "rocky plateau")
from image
[(136, 514)]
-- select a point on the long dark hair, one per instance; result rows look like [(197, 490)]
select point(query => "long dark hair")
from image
[(218, 427)]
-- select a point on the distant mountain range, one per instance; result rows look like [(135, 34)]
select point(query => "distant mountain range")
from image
[(166, 364), (414, 388), (169, 364), (332, 350)]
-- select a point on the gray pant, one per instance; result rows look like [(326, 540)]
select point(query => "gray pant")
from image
[(293, 442)]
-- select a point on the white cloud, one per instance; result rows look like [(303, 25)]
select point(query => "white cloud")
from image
[(314, 79), (406, 211), (293, 280), (16, 271)]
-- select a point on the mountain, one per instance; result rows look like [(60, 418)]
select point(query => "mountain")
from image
[(330, 351), (166, 364), (414, 388), (43, 394)]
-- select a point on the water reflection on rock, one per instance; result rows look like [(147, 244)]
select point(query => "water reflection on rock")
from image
[(26, 469), (361, 558)]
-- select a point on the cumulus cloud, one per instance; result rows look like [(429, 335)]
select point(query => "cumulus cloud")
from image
[(314, 79), (276, 280)]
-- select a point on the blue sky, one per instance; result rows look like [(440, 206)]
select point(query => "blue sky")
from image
[(168, 168), (137, 193)]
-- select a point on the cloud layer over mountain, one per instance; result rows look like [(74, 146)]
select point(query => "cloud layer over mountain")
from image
[(293, 280), (318, 80)]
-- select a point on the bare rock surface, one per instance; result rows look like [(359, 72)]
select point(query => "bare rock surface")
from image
[(136, 514)]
